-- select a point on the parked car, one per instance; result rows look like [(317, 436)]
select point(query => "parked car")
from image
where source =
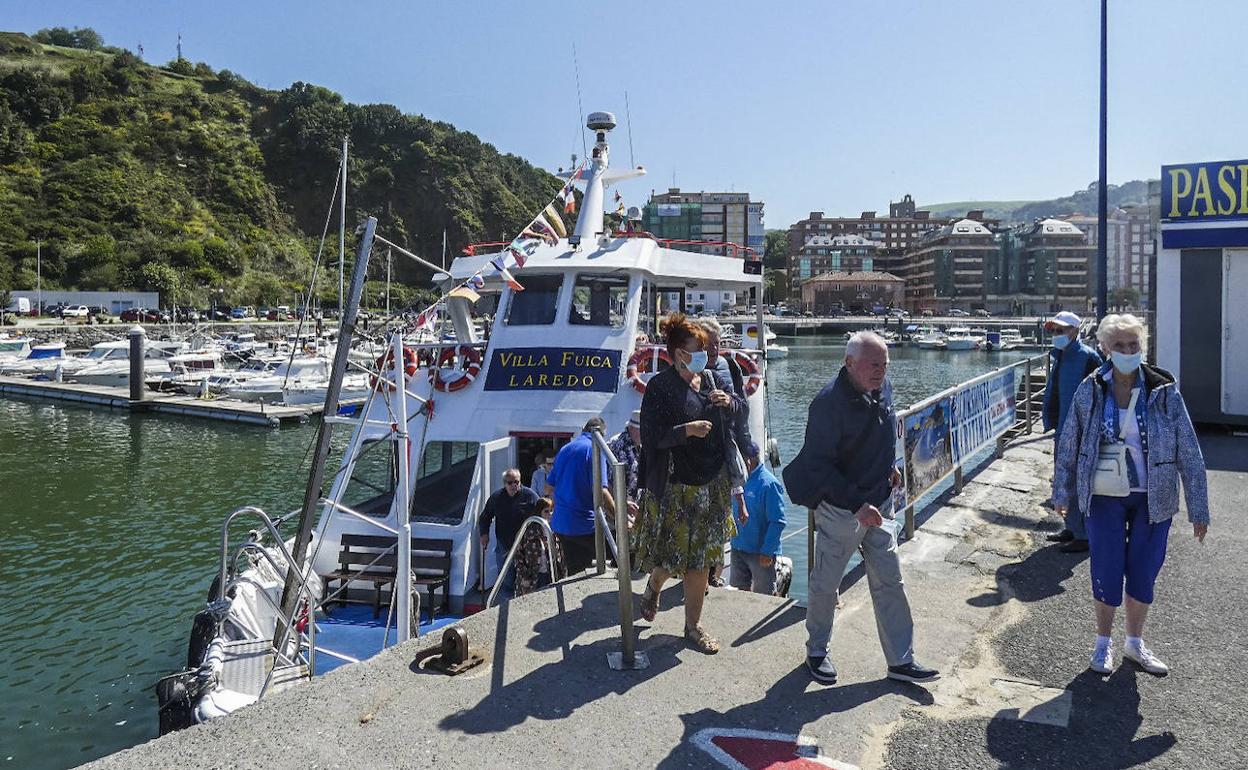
[(982, 313), (927, 313), (187, 315), (75, 311), (238, 313), (897, 313), (957, 312)]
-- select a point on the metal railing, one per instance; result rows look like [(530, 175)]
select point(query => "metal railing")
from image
[(1025, 416), (629, 658), (511, 554)]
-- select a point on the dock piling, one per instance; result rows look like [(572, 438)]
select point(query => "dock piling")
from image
[(138, 348)]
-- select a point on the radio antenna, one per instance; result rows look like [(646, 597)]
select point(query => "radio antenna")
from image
[(628, 114), (576, 66)]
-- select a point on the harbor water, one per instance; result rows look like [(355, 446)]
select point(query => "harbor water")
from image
[(109, 530)]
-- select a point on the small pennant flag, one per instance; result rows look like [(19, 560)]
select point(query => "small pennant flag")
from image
[(618, 197), (465, 292), (555, 221), (511, 281), (500, 262), (517, 255), (543, 231), (427, 320), (568, 195)]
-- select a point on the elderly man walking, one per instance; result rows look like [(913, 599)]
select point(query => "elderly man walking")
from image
[(1072, 362), (845, 472)]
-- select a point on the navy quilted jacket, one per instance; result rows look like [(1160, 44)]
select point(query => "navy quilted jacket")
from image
[(1173, 451)]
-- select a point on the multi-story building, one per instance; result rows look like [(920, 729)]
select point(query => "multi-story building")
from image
[(1129, 246), (706, 216), (953, 266), (833, 253), (1056, 266), (857, 292)]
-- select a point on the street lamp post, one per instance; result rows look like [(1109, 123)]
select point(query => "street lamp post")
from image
[(1102, 198)]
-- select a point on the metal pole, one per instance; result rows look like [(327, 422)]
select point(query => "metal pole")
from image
[(316, 477), (910, 521), (1027, 397), (619, 486), (1102, 198), (342, 228), (403, 580), (600, 542), (38, 278), (389, 264)]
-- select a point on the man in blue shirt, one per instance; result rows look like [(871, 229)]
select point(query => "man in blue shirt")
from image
[(1072, 362), (757, 544), (572, 478)]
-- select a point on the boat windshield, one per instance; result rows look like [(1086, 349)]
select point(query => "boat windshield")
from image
[(599, 300), (536, 305), (443, 480), (258, 365), (12, 346), (373, 477)]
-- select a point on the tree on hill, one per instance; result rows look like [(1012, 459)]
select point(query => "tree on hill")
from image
[(79, 37), (776, 249)]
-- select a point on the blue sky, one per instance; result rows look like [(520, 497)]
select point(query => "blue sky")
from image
[(837, 106)]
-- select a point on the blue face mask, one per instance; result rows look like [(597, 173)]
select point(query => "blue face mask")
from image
[(1060, 341), (1126, 363), (698, 362)]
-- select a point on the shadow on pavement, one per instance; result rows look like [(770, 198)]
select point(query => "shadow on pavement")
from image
[(1105, 718), (1223, 452), (1038, 577), (787, 614), (787, 707)]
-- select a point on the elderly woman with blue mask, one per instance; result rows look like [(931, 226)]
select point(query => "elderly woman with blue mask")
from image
[(1125, 446)]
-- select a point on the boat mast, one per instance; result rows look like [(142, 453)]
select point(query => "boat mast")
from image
[(342, 227), (316, 477)]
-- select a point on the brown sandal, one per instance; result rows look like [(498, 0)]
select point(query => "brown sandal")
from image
[(649, 603), (701, 641)]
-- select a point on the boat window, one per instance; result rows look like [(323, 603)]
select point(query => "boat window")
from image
[(599, 300), (535, 306), (442, 481), (373, 476)]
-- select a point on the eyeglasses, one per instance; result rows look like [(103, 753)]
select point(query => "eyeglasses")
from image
[(510, 482)]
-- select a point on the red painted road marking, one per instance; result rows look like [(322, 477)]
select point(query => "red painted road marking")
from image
[(742, 749)]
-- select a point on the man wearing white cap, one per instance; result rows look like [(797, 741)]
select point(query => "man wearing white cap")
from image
[(626, 446), (1072, 362)]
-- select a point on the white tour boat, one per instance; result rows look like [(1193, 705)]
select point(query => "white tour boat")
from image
[(423, 458), (960, 338)]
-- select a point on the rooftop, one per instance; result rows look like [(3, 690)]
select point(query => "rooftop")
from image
[(856, 276)]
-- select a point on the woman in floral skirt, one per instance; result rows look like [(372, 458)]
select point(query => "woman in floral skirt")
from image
[(691, 469)]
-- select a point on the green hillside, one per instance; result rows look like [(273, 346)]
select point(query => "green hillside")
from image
[(1083, 201), (188, 180)]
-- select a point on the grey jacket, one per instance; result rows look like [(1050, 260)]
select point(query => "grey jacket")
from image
[(1173, 451)]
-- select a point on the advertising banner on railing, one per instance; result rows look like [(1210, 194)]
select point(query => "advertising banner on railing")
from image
[(899, 465), (980, 413), (928, 454)]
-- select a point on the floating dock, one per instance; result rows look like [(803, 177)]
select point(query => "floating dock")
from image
[(221, 409)]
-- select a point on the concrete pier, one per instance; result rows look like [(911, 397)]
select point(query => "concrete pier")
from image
[(221, 410), (977, 572)]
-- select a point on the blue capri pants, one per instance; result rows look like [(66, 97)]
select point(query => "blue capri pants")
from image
[(1125, 545)]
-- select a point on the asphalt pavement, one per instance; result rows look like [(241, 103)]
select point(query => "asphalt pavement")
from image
[(1196, 717)]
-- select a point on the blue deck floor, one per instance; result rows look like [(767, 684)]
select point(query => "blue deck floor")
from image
[(352, 630)]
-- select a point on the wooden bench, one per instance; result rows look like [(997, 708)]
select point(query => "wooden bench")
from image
[(431, 566)]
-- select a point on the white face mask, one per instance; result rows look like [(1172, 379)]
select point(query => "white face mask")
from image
[(1126, 363), (697, 362), (1060, 341)]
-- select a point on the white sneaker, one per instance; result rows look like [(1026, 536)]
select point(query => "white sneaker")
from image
[(1145, 658), (1102, 659)]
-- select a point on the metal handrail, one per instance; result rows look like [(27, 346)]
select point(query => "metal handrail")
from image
[(511, 554), (254, 546), (619, 484)]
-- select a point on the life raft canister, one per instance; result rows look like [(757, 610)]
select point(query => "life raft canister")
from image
[(470, 363), (644, 364), (751, 376), (385, 363)]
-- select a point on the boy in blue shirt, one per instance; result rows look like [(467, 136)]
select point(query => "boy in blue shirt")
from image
[(757, 544)]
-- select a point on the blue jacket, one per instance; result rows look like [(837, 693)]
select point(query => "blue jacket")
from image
[(1173, 451), (1069, 368), (764, 499)]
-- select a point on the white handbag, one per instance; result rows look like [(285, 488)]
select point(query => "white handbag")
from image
[(1110, 478)]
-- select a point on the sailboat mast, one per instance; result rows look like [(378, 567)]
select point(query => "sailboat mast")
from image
[(316, 477), (342, 228)]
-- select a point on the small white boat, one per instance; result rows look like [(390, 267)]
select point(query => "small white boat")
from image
[(928, 338), (39, 357), (960, 338), (187, 371), (108, 363), (1006, 339), (304, 374), (13, 349)]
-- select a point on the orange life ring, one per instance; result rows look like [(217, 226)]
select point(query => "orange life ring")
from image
[(640, 363), (384, 364), (752, 377), (470, 360)]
